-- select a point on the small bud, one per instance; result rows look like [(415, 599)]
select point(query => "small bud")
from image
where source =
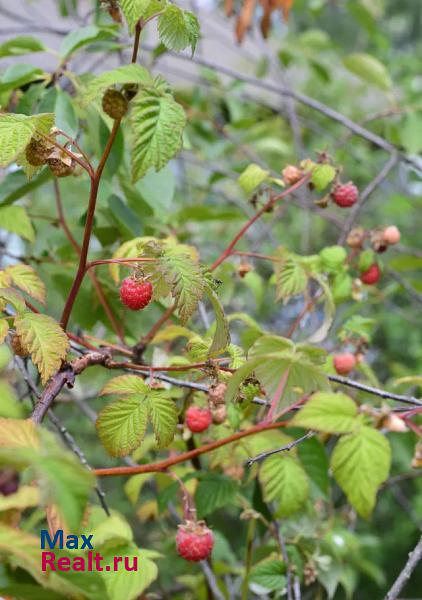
[(391, 235), (244, 268), (393, 423), (291, 174), (219, 414), (356, 237)]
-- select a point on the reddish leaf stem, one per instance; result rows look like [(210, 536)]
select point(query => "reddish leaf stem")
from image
[(185, 456)]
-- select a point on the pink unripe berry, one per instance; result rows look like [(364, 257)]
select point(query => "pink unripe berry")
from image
[(391, 235), (198, 419), (344, 363), (345, 194), (194, 541)]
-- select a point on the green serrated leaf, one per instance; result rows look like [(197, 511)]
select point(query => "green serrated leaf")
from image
[(178, 28), (46, 341), (181, 273), (121, 75), (273, 357), (284, 481), (269, 574), (158, 122), (291, 275), (22, 44), (163, 414), (252, 177), (329, 412), (214, 491), (221, 337), (314, 459), (360, 463), (15, 219), (83, 36), (136, 9), (122, 425), (128, 584), (369, 69), (125, 385)]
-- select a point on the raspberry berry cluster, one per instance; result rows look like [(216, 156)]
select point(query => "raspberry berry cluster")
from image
[(194, 541), (136, 293)]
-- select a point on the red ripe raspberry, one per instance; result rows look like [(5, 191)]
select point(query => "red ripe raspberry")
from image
[(344, 363), (198, 419), (372, 275), (194, 541), (391, 235), (345, 194), (135, 294)]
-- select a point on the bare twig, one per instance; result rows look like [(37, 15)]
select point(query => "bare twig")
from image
[(286, 448), (414, 558), (66, 376), (375, 391)]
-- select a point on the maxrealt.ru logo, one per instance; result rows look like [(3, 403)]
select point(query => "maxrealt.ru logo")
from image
[(90, 561)]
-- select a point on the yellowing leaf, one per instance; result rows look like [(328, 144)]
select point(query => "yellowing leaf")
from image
[(11, 296), (27, 279), (45, 340), (25, 497), (17, 433), (252, 177), (4, 329), (121, 425)]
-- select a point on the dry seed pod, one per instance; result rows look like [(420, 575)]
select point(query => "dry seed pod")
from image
[(60, 168), (114, 104), (356, 237), (219, 414), (378, 242), (17, 346), (37, 152), (216, 394), (393, 423), (244, 268)]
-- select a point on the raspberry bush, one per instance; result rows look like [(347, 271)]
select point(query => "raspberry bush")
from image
[(210, 294)]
